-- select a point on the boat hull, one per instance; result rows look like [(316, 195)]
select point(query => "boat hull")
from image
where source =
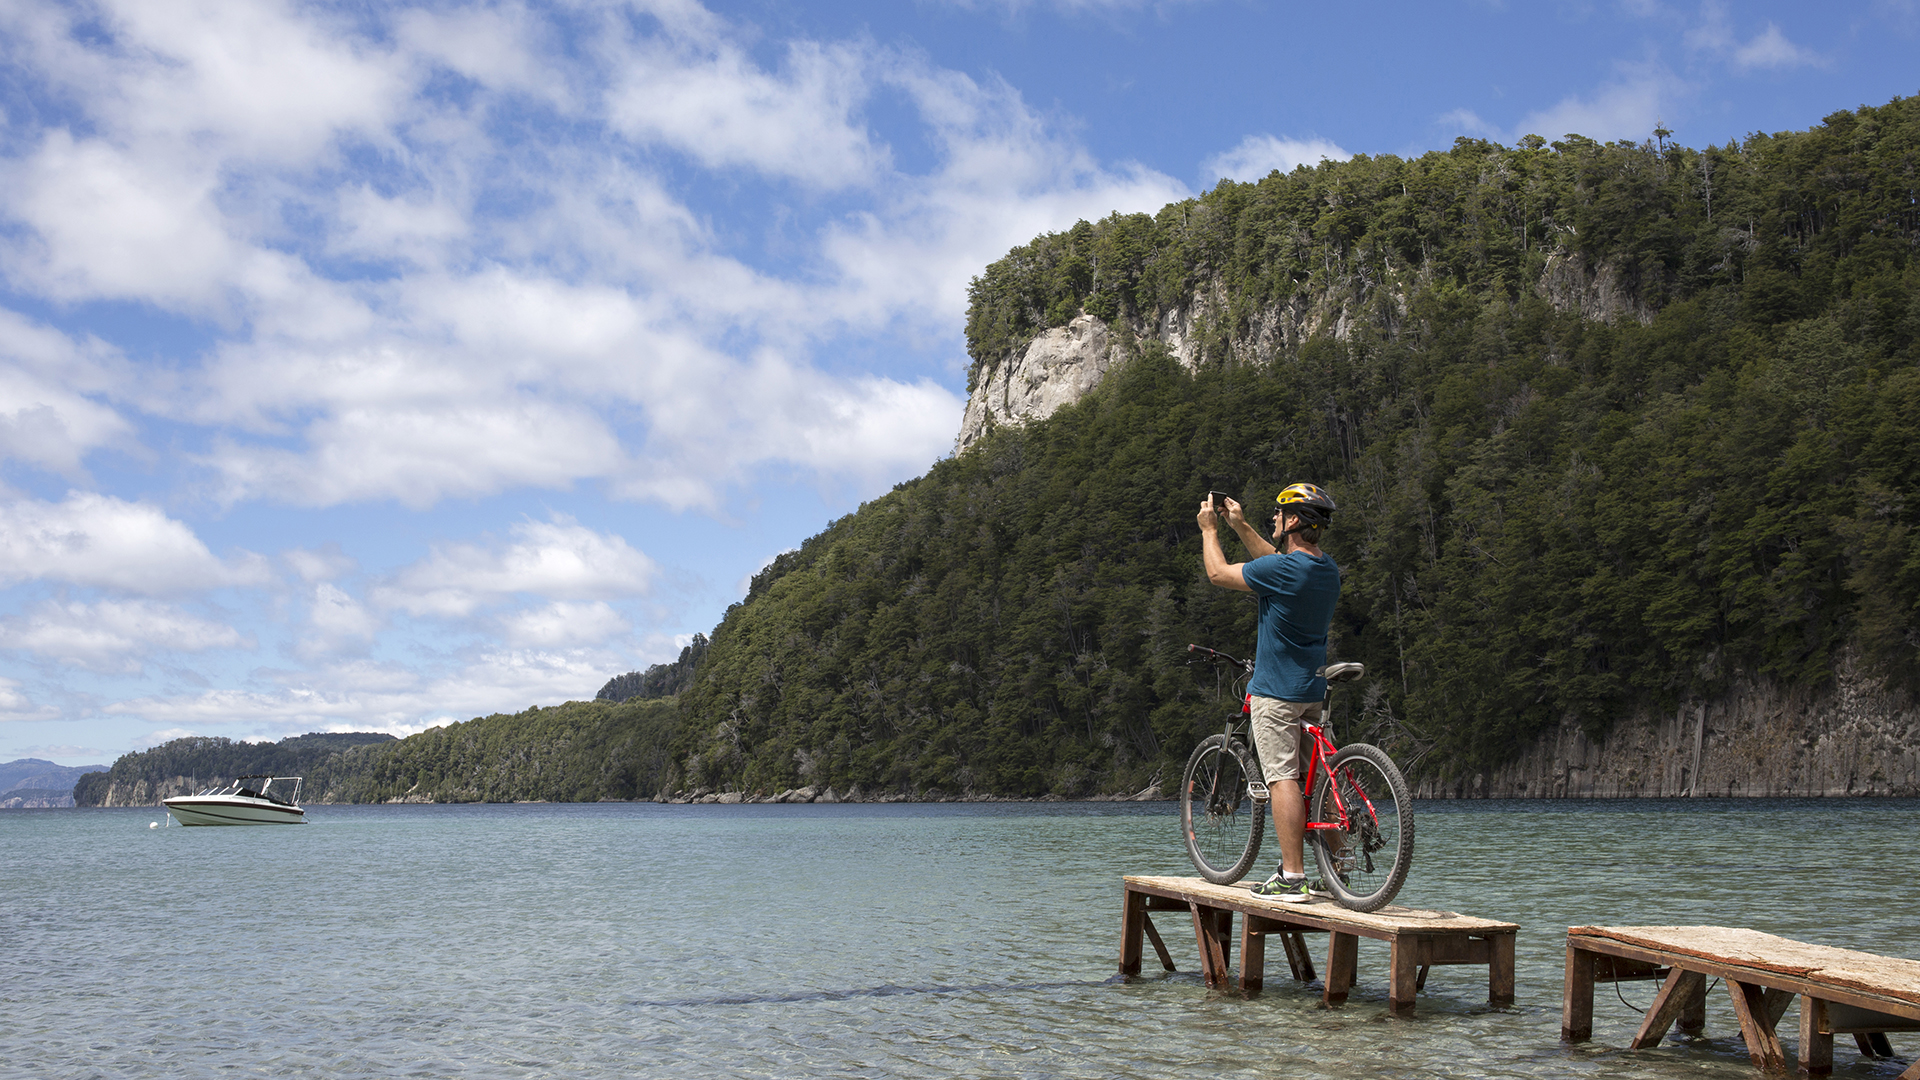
[(228, 810)]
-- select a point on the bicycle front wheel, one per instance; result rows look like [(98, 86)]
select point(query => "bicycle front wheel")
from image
[(1365, 855), (1218, 813)]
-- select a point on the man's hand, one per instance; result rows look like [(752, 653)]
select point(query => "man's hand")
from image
[(1209, 521), (1235, 516)]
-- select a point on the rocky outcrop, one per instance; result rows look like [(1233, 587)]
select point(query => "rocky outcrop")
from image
[(1062, 365), (1057, 368), (1600, 293), (1855, 738)]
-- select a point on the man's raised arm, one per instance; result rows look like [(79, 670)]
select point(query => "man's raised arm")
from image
[(1219, 571)]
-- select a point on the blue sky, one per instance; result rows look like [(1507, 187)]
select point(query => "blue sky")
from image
[(365, 367)]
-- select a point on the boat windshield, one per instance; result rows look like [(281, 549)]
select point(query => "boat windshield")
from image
[(284, 790)]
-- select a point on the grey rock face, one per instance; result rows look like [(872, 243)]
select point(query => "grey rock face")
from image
[(1758, 740), (1058, 368)]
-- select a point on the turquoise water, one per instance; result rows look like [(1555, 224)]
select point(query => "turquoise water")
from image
[(851, 941)]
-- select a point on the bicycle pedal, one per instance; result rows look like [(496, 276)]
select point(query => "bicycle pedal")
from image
[(1258, 790)]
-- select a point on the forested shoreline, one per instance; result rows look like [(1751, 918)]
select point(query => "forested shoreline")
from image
[(1614, 428)]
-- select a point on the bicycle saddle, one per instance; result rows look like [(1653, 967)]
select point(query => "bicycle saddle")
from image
[(1342, 672)]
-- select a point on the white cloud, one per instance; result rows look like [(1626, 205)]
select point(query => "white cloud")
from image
[(1768, 49), (1771, 49), (714, 104), (107, 223), (98, 540), (1003, 177), (1069, 6), (1258, 155), (113, 635), (50, 412), (602, 330), (338, 620), (1628, 108), (15, 704), (255, 78), (418, 456), (564, 623), (324, 563), (558, 559), (368, 695)]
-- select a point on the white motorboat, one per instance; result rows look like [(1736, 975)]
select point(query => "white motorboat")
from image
[(242, 803)]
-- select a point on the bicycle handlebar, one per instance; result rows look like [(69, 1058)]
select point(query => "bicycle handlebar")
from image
[(1216, 654)]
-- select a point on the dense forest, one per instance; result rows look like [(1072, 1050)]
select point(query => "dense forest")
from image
[(658, 681), (1612, 427), (202, 760)]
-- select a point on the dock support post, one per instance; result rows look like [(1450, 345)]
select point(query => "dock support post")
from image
[(1403, 983), (1343, 958), (1576, 1008), (1816, 1040), (1133, 918), (1253, 953), (1500, 969)]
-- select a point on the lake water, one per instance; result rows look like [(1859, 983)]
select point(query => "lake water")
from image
[(974, 940)]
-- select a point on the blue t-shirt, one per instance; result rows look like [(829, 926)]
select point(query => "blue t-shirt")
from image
[(1297, 592)]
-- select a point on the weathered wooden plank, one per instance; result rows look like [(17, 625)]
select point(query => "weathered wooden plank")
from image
[(1322, 913), (1213, 946), (1737, 947), (1844, 991), (1749, 1005), (1845, 1020), (1430, 951), (1306, 957), (1160, 947), (1443, 936)]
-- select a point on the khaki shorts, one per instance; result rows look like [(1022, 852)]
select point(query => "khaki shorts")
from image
[(1276, 735)]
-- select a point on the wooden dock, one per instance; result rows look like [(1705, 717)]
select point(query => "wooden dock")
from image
[(1842, 992), (1420, 939)]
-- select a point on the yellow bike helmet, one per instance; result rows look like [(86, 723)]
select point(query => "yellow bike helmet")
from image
[(1309, 503)]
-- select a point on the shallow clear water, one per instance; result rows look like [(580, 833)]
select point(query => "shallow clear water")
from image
[(856, 941)]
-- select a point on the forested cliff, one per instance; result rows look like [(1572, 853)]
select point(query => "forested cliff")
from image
[(1614, 428), (1623, 437)]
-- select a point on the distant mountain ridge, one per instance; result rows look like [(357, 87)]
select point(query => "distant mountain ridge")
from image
[(44, 775)]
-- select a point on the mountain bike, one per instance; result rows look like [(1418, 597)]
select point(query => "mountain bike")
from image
[(1359, 810)]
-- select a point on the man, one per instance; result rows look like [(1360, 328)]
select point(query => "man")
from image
[(1298, 585)]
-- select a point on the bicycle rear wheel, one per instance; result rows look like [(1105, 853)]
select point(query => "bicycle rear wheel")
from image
[(1365, 857), (1218, 814)]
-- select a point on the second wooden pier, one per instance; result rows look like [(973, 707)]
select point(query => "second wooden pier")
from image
[(1420, 940)]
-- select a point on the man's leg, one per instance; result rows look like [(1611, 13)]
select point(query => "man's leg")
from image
[(1290, 824), (1276, 733)]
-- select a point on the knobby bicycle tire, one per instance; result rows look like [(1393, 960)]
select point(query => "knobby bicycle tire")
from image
[(1219, 817), (1364, 865)]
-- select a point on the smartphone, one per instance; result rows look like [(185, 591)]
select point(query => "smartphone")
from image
[(1219, 500)]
